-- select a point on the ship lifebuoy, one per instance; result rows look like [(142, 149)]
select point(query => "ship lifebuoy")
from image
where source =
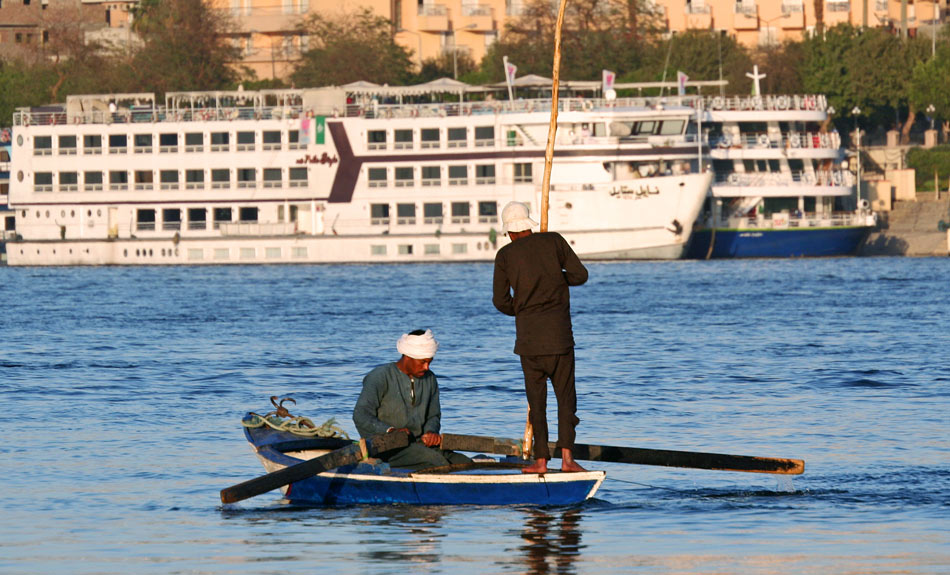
[(809, 102), (836, 178), (763, 140), (717, 103), (809, 178), (725, 141), (795, 141), (824, 140), (782, 102), (587, 105), (734, 179)]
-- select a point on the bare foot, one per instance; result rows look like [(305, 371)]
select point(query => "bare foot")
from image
[(539, 466), (571, 467)]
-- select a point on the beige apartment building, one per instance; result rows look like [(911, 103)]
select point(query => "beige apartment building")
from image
[(267, 31)]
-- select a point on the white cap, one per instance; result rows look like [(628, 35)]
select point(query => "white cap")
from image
[(514, 218), (422, 346)]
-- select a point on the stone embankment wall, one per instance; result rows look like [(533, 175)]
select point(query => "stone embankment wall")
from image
[(911, 228)]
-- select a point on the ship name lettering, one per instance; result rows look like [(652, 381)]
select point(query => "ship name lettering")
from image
[(314, 159)]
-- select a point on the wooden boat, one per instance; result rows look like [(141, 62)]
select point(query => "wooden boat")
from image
[(486, 481)]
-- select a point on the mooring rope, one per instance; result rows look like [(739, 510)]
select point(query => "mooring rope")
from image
[(282, 420)]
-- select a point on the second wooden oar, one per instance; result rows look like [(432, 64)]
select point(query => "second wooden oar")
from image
[(354, 453), (640, 456)]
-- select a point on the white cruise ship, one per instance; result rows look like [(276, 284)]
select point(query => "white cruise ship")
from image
[(330, 175)]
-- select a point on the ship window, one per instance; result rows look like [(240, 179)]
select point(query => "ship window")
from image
[(645, 128), (377, 177), (197, 219), (487, 212), (458, 175), (68, 181), (118, 180), (523, 174), (459, 248), (402, 139), (168, 179), (221, 215), (118, 143), (92, 144), (171, 219), (485, 174), (404, 177), (167, 143), (272, 177), (142, 140), (376, 139), (458, 137), (432, 213), (405, 214), (245, 141), (600, 130), (195, 176), (220, 141), (220, 178), (405, 249), (246, 177), (431, 249), (379, 214), (429, 137), (293, 139), (272, 253), (248, 253), (484, 136), (43, 182), (461, 212), (67, 145), (431, 175), (672, 127), (377, 250), (42, 145), (271, 140), (194, 142), (298, 177), (145, 220), (247, 215), (93, 181), (796, 165)]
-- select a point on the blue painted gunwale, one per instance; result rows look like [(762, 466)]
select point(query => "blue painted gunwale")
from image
[(367, 483), (782, 243)]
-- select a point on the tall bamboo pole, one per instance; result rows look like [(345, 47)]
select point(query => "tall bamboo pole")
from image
[(548, 162)]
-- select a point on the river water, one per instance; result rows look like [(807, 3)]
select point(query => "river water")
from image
[(124, 389)]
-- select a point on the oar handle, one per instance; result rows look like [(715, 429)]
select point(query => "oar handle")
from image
[(353, 453)]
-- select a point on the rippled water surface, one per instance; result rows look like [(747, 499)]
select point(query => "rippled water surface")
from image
[(123, 391)]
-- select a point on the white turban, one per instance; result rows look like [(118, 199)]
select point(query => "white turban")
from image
[(418, 346)]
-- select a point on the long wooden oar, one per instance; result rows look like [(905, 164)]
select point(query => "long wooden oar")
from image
[(636, 455), (354, 453)]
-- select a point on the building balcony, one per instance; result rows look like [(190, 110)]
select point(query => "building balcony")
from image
[(433, 18), (837, 12), (266, 23), (793, 16), (476, 17), (745, 17), (698, 17)]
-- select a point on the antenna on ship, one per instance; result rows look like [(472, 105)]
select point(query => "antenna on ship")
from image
[(548, 162)]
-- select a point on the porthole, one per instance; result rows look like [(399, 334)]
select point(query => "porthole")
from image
[(125, 253), (72, 213), (163, 252), (47, 214), (24, 213), (89, 213), (62, 213), (98, 213), (37, 214), (19, 140), (19, 176), (137, 253), (149, 253)]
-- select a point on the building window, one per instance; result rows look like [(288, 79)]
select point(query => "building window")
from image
[(405, 214), (487, 212), (461, 212), (379, 214)]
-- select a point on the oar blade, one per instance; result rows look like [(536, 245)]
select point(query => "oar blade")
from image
[(687, 459), (478, 444), (350, 454)]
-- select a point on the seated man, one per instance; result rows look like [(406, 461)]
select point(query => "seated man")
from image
[(404, 395)]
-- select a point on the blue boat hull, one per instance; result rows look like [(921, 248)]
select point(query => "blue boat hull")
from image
[(490, 482), (772, 243)]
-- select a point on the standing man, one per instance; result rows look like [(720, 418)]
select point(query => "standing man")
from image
[(539, 268), (404, 395)]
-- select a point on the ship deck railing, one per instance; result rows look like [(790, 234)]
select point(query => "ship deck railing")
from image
[(369, 110), (803, 221), (771, 102), (797, 178), (802, 140)]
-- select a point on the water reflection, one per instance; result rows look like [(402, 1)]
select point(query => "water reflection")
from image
[(408, 534), (552, 541)]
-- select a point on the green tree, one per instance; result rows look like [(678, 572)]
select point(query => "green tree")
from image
[(355, 46), (703, 55), (782, 65), (184, 45)]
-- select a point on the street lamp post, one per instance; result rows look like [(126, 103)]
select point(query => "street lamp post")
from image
[(768, 24), (856, 111), (419, 36), (930, 114)]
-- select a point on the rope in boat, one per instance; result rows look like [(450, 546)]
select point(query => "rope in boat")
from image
[(282, 420)]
